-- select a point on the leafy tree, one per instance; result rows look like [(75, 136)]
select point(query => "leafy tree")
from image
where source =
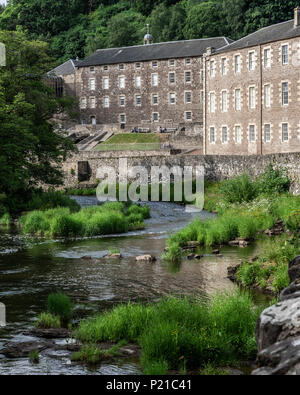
[(203, 20), (30, 150)]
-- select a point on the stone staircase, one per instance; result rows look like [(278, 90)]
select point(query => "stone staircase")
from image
[(92, 141)]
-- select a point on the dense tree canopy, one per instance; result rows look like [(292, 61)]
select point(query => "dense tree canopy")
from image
[(78, 27), (29, 146)]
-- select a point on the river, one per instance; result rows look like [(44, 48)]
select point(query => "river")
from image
[(31, 269)]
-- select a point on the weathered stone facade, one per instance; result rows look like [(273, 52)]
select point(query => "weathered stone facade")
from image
[(140, 101), (253, 94)]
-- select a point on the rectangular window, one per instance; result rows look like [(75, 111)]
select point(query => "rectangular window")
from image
[(224, 134), (188, 97), (238, 136), (202, 97), (285, 93), (252, 133), (138, 81), (92, 102), (172, 63), (122, 101), (105, 68), (224, 66), (154, 79), (285, 54), (237, 63), (154, 64), (155, 117), (252, 97), (212, 135), (92, 69), (188, 116), (172, 78), (83, 103), (187, 61), (106, 102), (92, 84), (137, 65), (237, 99), (212, 68), (212, 102), (267, 96), (267, 58), (122, 118), (93, 120), (154, 99), (187, 77), (267, 133), (121, 82), (251, 61), (121, 67), (106, 83), (285, 132), (138, 100), (224, 101), (172, 98)]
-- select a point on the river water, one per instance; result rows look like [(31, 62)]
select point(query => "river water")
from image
[(31, 269)]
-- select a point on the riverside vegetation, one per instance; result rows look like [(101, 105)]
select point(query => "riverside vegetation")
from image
[(246, 208)]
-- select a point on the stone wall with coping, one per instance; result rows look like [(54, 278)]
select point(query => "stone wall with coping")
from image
[(217, 167)]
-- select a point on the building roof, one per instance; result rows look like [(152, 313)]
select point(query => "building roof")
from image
[(278, 32), (140, 53), (65, 69)]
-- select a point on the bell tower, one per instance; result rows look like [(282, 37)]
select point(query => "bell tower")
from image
[(148, 39)]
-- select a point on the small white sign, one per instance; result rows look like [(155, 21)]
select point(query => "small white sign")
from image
[(2, 315)]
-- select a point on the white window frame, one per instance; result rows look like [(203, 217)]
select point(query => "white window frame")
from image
[(285, 57), (267, 140), (212, 103), (237, 99), (152, 99), (92, 100), (138, 81), (153, 114), (122, 98), (83, 103), (122, 82), (252, 128), (172, 98), (238, 136), (285, 94), (212, 132), (212, 68), (138, 98), (267, 95), (285, 132), (92, 86), (105, 82), (186, 117), (224, 66), (237, 63), (189, 79), (172, 73), (252, 98), (120, 118), (106, 102), (223, 129), (267, 59), (190, 97), (224, 101), (251, 60), (154, 79)]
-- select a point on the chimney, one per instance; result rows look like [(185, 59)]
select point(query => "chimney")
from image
[(297, 17)]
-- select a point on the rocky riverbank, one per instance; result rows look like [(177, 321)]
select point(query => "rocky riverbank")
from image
[(278, 331)]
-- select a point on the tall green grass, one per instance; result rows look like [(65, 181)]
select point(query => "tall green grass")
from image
[(90, 221), (179, 333), (271, 269), (5, 220)]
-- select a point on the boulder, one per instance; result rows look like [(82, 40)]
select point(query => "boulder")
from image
[(145, 258), (52, 333), (216, 252), (86, 257), (294, 269), (113, 256)]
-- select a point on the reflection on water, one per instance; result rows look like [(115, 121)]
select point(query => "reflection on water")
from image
[(28, 274)]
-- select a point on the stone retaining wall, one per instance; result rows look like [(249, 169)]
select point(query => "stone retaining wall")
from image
[(216, 167)]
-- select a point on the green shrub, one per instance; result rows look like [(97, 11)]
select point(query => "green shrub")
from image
[(155, 368), (52, 199), (239, 189), (60, 305), (274, 180), (48, 321), (5, 220)]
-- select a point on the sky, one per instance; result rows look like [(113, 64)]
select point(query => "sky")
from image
[(2, 1)]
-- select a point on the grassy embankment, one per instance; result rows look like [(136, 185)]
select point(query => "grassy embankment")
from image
[(108, 218), (246, 208), (178, 334), (133, 141)]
